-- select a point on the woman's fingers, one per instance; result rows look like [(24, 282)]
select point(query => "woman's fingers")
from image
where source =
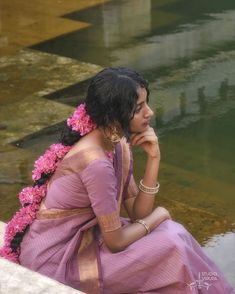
[(148, 141), (135, 137), (147, 138), (149, 135)]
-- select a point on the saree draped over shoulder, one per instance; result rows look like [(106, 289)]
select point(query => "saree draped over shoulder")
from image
[(83, 200)]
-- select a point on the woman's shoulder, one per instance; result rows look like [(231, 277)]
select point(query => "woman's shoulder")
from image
[(80, 159)]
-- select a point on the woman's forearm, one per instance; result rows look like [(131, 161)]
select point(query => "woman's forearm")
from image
[(144, 202), (119, 239)]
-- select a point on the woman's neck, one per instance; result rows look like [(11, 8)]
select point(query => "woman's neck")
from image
[(95, 138)]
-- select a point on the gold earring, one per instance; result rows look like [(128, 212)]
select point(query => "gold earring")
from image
[(114, 135)]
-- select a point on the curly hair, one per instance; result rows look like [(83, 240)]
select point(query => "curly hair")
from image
[(111, 97)]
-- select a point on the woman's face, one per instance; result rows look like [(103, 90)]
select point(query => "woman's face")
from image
[(142, 114)]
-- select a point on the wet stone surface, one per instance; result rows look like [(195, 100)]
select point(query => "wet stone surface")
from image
[(31, 75)]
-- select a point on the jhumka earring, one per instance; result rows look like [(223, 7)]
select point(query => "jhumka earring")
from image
[(115, 136)]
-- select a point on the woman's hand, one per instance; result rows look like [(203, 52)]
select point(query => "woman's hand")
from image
[(119, 239), (161, 214), (148, 141)]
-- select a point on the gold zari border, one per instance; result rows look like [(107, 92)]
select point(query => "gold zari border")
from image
[(109, 222), (55, 213)]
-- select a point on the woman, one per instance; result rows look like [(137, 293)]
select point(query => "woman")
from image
[(71, 217)]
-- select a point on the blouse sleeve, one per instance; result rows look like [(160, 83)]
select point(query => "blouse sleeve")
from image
[(101, 184)]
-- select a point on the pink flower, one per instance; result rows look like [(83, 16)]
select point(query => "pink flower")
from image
[(7, 253), (18, 223), (24, 217), (32, 194), (80, 121), (60, 150), (47, 163)]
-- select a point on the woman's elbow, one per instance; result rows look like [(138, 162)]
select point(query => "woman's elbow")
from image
[(115, 242), (116, 247)]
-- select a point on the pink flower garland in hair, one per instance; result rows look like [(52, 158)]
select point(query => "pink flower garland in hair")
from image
[(47, 163), (31, 197), (80, 121)]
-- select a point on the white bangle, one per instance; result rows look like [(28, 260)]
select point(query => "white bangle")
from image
[(148, 190)]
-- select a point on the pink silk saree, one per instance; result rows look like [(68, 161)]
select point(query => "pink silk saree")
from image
[(62, 241), (65, 241)]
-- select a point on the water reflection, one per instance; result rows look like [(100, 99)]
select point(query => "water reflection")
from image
[(147, 35), (206, 90), (202, 100), (120, 23), (223, 89), (183, 101), (221, 249), (159, 113), (166, 50)]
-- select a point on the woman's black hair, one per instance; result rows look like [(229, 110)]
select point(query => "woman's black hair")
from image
[(111, 97), (68, 136)]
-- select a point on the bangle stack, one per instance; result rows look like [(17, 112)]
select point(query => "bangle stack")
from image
[(143, 223), (149, 190)]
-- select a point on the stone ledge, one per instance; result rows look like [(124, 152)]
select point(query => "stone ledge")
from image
[(16, 279), (26, 79)]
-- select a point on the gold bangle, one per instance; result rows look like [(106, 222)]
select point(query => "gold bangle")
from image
[(143, 223), (149, 190)]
